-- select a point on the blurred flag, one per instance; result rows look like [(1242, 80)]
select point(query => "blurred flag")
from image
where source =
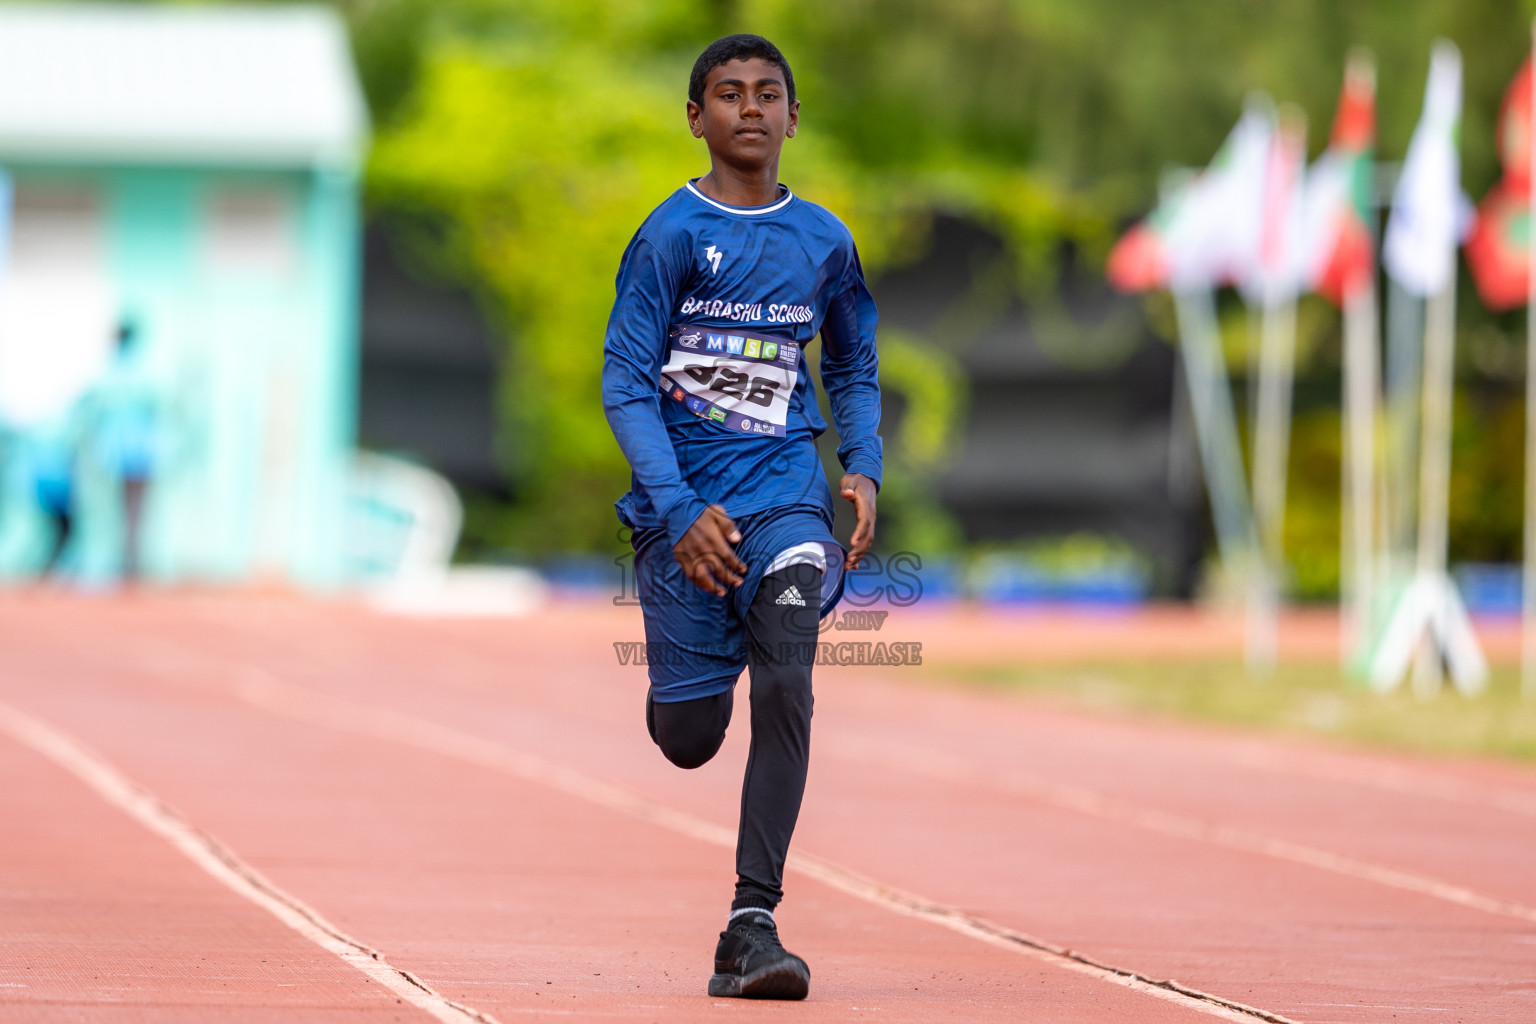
[(1430, 214), (1206, 230), (1274, 273), (1337, 251), (1498, 250)]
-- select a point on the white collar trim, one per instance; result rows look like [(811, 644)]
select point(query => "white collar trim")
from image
[(745, 211)]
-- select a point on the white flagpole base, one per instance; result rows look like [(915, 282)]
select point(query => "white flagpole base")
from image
[(1429, 625)]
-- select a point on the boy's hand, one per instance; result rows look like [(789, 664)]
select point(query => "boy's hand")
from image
[(706, 553), (860, 490)]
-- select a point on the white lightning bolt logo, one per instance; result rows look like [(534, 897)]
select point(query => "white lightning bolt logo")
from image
[(713, 256)]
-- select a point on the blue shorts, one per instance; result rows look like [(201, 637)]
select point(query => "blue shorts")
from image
[(695, 642)]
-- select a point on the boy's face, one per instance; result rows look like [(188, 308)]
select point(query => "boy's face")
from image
[(746, 114)]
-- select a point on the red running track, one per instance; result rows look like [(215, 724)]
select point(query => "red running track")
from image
[(215, 806)]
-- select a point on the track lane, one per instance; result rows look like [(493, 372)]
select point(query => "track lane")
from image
[(551, 699), (1424, 822), (101, 921), (1472, 976), (407, 850)]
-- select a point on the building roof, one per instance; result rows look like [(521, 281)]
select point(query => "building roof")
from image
[(271, 86)]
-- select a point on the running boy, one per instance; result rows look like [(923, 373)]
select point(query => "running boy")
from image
[(706, 387)]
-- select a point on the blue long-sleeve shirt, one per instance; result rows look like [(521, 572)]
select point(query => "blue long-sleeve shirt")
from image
[(705, 382)]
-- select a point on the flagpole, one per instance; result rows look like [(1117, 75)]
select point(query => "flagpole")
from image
[(1277, 283), (1405, 369), (1528, 569), (1271, 455), (1448, 636), (1221, 458), (1360, 413), (1429, 621), (1360, 470), (1260, 592), (1435, 456), (1254, 343)]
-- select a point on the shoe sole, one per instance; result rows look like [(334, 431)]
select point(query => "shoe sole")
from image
[(776, 981)]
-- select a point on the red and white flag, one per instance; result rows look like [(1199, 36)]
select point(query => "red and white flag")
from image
[(1275, 272), (1337, 249), (1206, 231), (1498, 251)]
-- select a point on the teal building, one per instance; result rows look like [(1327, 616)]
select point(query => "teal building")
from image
[(186, 178)]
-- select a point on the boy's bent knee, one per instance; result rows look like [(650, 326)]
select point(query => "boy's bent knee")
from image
[(689, 732), (691, 752)]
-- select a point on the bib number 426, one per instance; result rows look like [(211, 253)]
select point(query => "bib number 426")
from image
[(729, 381)]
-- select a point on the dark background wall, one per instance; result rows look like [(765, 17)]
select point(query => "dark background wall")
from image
[(428, 383), (1074, 422)]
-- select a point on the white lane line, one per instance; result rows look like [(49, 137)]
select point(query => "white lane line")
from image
[(1309, 760), (1393, 778), (947, 768), (220, 862), (260, 689)]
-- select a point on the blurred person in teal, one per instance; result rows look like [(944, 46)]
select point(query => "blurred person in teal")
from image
[(45, 461), (75, 480), (124, 431)]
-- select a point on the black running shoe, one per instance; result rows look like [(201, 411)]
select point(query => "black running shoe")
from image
[(750, 963)]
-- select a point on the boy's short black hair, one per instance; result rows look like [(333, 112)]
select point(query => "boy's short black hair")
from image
[(742, 46)]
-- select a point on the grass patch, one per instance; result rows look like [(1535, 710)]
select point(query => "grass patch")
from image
[(1309, 699)]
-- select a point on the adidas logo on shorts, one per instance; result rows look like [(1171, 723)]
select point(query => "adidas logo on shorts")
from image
[(791, 596)]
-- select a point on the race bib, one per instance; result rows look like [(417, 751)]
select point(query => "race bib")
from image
[(740, 381)]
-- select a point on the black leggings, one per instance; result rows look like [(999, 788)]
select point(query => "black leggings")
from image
[(781, 643)]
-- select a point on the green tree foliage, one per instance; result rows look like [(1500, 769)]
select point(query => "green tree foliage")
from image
[(523, 160), (520, 142)]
